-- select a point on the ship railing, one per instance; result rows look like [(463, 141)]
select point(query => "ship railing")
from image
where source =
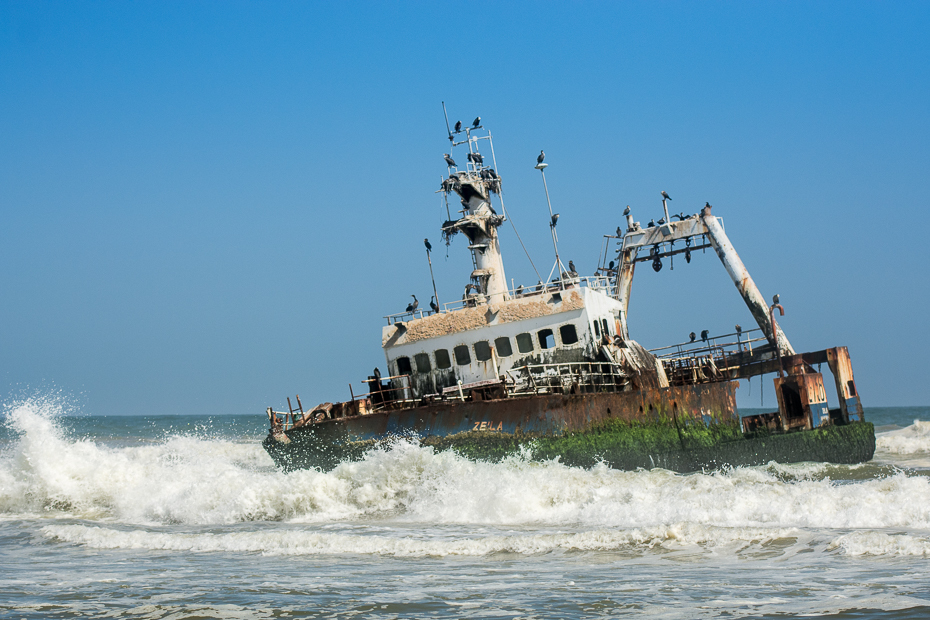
[(391, 396), (573, 377), (600, 283), (402, 317), (712, 359), (742, 341)]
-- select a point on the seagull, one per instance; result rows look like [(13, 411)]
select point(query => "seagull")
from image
[(458, 126), (412, 307), (476, 122), (692, 336), (542, 156), (449, 160), (665, 195), (433, 305), (704, 334), (555, 219), (429, 248)]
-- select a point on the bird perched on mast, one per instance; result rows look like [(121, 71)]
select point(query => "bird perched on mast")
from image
[(542, 156), (449, 160), (412, 307), (476, 122), (429, 248), (555, 219), (665, 195), (458, 126)]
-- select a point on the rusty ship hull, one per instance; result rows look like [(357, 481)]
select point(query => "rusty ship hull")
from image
[(683, 429)]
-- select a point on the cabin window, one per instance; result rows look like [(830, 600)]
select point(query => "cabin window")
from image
[(567, 333), (462, 357), (442, 359), (502, 345), (422, 360), (403, 365), (482, 351), (525, 343), (606, 328), (546, 339), (597, 327)]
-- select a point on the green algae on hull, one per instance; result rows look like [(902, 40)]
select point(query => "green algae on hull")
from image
[(623, 445)]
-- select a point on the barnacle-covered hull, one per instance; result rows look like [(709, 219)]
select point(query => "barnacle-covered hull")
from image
[(680, 428)]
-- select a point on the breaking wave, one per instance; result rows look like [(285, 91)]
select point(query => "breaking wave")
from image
[(199, 480), (914, 439)]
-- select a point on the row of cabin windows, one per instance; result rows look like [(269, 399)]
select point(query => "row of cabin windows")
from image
[(546, 338)]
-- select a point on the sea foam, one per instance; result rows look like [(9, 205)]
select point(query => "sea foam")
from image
[(914, 439), (200, 480)]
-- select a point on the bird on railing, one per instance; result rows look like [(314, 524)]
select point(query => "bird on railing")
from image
[(432, 304), (739, 330), (704, 335), (377, 375), (692, 336), (458, 126), (412, 307), (476, 122)]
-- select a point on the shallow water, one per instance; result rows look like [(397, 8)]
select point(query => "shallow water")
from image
[(186, 517)]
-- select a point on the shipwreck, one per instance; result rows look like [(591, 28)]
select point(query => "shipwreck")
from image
[(550, 369)]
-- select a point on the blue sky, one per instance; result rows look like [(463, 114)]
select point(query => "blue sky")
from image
[(206, 207)]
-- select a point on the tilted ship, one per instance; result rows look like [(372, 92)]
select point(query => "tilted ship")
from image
[(550, 370)]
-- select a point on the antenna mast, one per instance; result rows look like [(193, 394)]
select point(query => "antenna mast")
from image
[(553, 219)]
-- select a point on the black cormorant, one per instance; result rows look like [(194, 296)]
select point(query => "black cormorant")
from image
[(429, 248), (412, 307), (542, 156), (665, 195), (449, 160)]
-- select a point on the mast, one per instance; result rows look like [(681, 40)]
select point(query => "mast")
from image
[(474, 183)]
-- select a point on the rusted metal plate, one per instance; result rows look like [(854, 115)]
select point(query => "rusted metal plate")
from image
[(538, 415)]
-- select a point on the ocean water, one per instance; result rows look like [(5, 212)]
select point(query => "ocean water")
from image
[(186, 517)]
